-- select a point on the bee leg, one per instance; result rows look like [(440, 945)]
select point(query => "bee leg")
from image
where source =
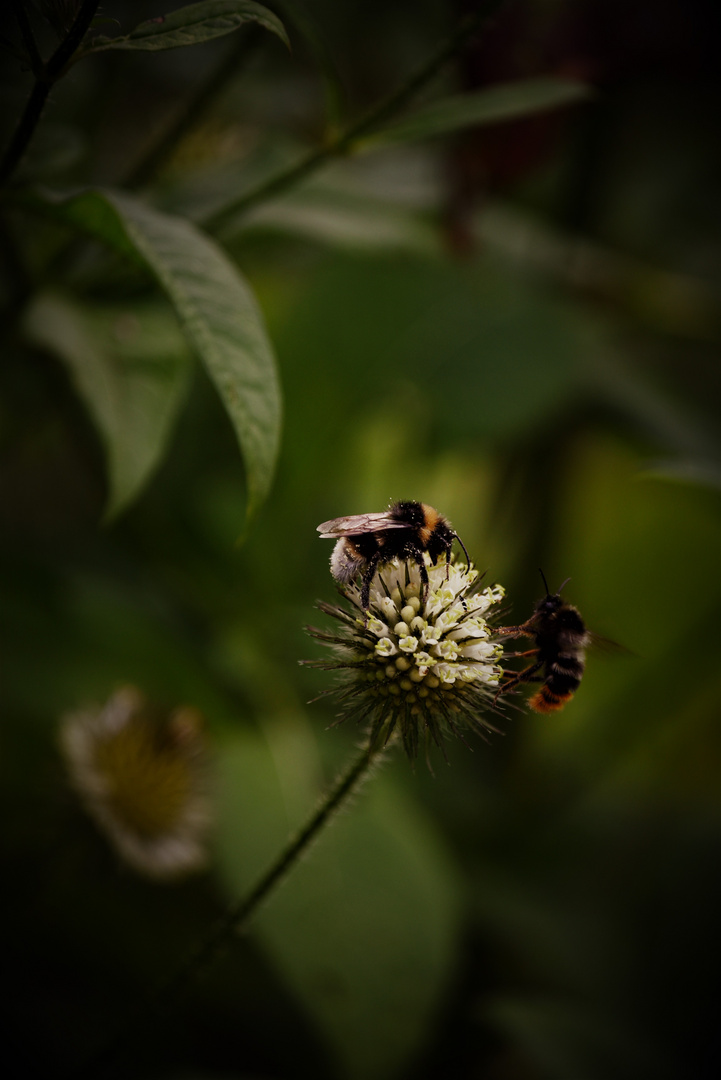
[(515, 631), (368, 575), (528, 652), (523, 676), (411, 550), (449, 547), (418, 556)]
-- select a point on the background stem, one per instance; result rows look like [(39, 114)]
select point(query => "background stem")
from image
[(235, 919), (375, 116), (45, 76)]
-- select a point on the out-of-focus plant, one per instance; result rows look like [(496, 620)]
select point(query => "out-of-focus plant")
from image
[(486, 286), (214, 305), (140, 776), (212, 300)]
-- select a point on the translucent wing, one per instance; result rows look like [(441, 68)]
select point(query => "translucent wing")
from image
[(606, 645), (358, 524)]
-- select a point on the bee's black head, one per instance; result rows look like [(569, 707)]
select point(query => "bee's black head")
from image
[(551, 602), (549, 605)]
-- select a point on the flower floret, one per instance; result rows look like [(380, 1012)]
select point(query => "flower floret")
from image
[(385, 647), (423, 660)]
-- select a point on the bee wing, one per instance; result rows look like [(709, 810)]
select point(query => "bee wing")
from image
[(606, 645), (359, 523)]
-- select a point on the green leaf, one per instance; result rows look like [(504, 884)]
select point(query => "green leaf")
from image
[(352, 204), (216, 307), (498, 104), (323, 212), (130, 365), (364, 929), (192, 25)]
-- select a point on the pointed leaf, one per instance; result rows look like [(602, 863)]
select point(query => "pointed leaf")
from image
[(507, 101), (192, 25), (344, 220), (130, 366), (216, 307)]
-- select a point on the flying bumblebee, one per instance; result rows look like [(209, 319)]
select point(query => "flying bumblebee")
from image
[(561, 639), (406, 530)]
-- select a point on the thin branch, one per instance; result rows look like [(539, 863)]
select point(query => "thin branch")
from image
[(45, 76), (73, 41), (373, 118)]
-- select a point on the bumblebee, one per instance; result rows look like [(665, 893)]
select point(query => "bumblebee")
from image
[(406, 530), (561, 639)]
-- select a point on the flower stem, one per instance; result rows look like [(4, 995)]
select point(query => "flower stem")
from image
[(343, 142), (238, 915), (235, 919)]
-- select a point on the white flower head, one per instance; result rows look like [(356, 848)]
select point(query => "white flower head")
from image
[(140, 776), (421, 667)]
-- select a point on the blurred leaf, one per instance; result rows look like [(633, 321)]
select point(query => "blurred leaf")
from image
[(353, 220), (664, 300), (678, 425), (490, 352), (191, 25), (54, 150), (304, 25), (508, 101), (94, 633), (130, 366), (688, 470), (570, 1041), (363, 931), (91, 212), (362, 204), (216, 308)]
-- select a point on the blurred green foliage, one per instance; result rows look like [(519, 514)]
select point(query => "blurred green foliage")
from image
[(515, 323)]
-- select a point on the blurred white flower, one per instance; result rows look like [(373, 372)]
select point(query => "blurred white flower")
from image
[(140, 776)]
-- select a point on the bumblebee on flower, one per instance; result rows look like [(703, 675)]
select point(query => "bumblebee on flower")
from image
[(419, 661)]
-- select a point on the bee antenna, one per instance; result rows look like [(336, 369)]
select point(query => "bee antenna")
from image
[(545, 583), (563, 584), (468, 558)]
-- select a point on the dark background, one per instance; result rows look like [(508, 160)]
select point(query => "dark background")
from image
[(517, 325)]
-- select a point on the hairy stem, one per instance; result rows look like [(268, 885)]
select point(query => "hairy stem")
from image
[(380, 112), (45, 76), (239, 914), (235, 919)]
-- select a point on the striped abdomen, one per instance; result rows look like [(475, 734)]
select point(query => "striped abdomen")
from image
[(563, 676)]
